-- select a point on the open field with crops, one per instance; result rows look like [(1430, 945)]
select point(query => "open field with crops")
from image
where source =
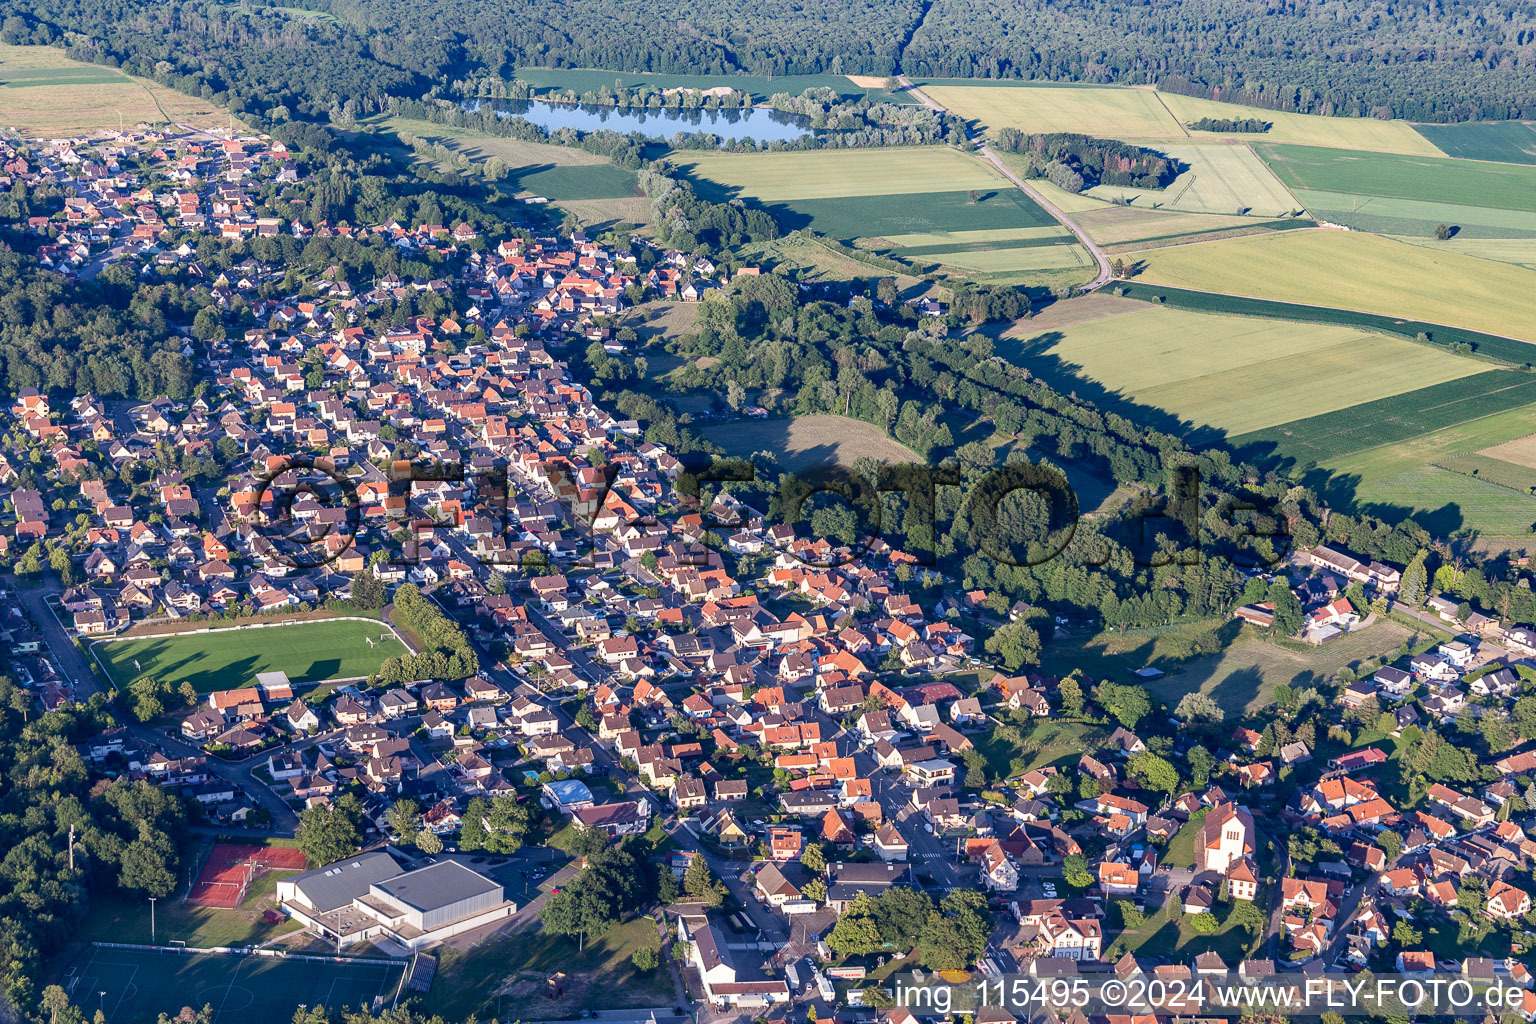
[(547, 80), (228, 658), (1364, 133), (1493, 347), (1146, 114), (1352, 270), (534, 168), (802, 442), (1108, 112), (838, 173), (1234, 373), (1481, 466), (44, 93), (1220, 179), (1416, 217), (1507, 141), (1429, 179), (932, 205), (1519, 251), (1391, 420)]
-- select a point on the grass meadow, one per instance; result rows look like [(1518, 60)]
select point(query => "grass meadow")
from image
[(534, 168), (1237, 374), (308, 651), (1353, 270), (487, 981), (44, 93), (933, 205), (803, 442), (1241, 679)]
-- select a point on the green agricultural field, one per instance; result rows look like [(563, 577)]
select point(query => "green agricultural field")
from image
[(604, 212), (1429, 179), (44, 93), (1362, 133), (1234, 373), (535, 168), (1388, 421), (1353, 270), (309, 651), (545, 80), (1416, 217), (1226, 179), (905, 213), (1430, 472), (1511, 142), (838, 173)]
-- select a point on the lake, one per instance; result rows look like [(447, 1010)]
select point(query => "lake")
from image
[(758, 123)]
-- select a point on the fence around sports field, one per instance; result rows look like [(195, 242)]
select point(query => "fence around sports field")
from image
[(227, 873)]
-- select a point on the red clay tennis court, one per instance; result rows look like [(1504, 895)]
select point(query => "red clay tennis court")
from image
[(229, 869)]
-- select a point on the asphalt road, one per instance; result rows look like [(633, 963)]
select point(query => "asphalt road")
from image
[(1045, 204), (72, 665)]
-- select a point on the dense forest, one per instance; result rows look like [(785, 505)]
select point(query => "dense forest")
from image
[(127, 836), (114, 335), (1431, 61), (1421, 59), (1075, 162)]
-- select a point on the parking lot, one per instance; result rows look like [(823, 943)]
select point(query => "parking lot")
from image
[(521, 874)]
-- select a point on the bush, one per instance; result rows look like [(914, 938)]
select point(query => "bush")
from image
[(646, 959), (1202, 924)]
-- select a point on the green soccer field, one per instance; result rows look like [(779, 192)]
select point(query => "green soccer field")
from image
[(131, 986), (309, 651)]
